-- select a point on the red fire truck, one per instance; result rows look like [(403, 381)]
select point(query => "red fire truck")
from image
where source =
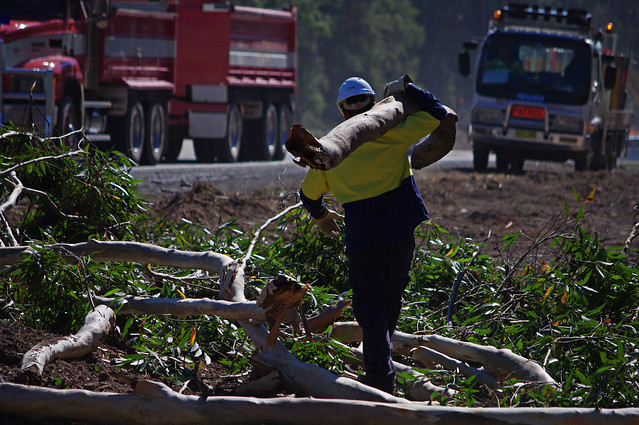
[(144, 75)]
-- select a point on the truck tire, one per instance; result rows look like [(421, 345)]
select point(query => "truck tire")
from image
[(597, 161), (130, 133), (228, 148), (503, 161), (156, 133), (176, 135), (583, 161), (68, 122), (517, 165), (285, 122), (268, 136), (204, 150), (610, 155), (480, 159)]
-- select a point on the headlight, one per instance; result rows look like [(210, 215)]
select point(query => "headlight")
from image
[(488, 116), (568, 124)]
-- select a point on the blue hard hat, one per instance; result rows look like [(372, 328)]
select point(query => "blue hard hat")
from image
[(352, 87)]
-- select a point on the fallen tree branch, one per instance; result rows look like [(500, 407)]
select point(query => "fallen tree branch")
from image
[(431, 358), (128, 252), (184, 307), (154, 403), (97, 326), (499, 363), (421, 389), (319, 323)]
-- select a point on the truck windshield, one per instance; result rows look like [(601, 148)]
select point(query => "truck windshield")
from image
[(34, 10), (540, 68)]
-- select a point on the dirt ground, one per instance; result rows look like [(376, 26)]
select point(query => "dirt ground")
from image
[(466, 203)]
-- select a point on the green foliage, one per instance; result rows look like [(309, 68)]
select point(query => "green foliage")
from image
[(92, 186)]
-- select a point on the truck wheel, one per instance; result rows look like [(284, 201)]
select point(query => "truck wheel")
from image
[(480, 159), (156, 134), (132, 140), (176, 135), (228, 149), (610, 157), (597, 161), (503, 161), (204, 150), (268, 135), (285, 122), (583, 161), (517, 165), (68, 122)]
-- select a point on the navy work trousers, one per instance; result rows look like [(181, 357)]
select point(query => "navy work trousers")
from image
[(378, 278)]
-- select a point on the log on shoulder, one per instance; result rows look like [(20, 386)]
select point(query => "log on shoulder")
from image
[(330, 150), (438, 143)]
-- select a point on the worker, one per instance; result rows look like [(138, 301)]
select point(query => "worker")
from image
[(382, 207)]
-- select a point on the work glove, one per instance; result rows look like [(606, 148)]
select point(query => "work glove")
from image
[(327, 223), (397, 86)]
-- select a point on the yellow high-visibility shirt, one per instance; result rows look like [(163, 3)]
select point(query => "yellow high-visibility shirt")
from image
[(374, 168)]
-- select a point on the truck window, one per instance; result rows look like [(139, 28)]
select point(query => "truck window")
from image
[(550, 69)]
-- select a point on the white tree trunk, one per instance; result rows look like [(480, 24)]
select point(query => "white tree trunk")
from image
[(97, 326), (185, 307), (499, 363), (155, 404)]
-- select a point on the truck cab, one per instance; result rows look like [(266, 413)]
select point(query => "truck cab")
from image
[(544, 90)]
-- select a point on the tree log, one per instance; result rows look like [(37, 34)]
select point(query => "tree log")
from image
[(318, 324), (154, 403), (431, 358), (499, 363), (437, 144), (329, 151), (185, 307), (421, 389), (127, 252), (97, 326)]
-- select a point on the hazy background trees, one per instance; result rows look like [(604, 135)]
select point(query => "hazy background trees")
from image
[(380, 40)]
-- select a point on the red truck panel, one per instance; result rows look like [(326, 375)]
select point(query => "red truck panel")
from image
[(234, 46), (138, 44), (202, 48)]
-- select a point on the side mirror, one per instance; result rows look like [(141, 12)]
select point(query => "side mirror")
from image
[(610, 77), (464, 63)]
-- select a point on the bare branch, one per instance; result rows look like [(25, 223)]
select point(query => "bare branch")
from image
[(15, 193), (633, 234), (54, 207), (267, 223), (7, 226), (41, 159)]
